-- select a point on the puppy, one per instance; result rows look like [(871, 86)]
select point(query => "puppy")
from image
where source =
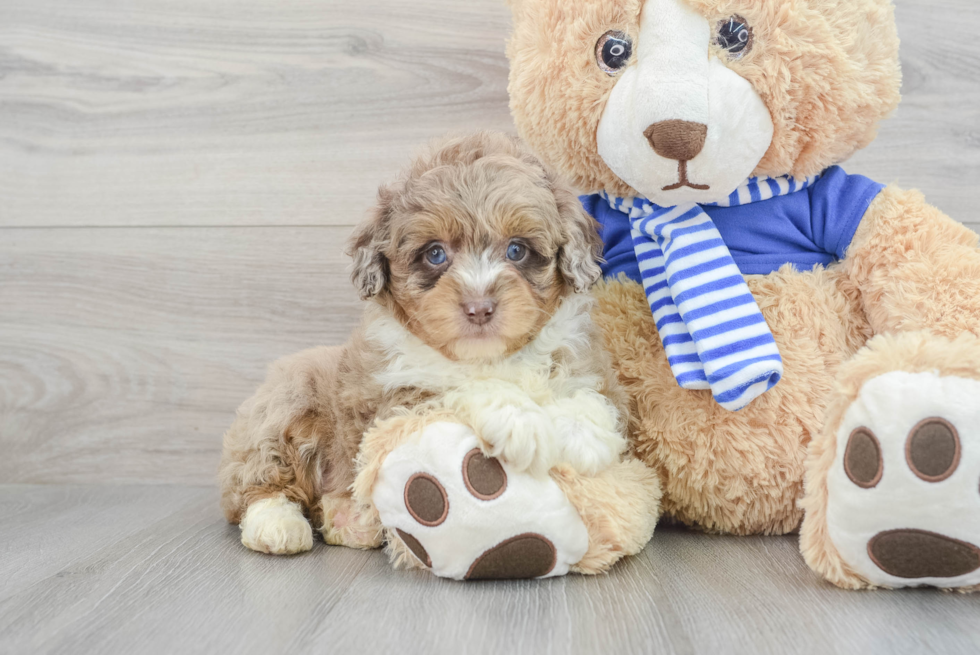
[(477, 262)]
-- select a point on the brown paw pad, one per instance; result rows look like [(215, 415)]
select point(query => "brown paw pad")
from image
[(862, 459), (922, 554), (426, 500), (417, 549), (524, 556), (933, 449), (483, 476)]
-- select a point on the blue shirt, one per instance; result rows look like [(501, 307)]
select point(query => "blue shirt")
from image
[(807, 228)]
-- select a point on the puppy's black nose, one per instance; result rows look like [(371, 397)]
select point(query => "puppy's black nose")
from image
[(479, 312)]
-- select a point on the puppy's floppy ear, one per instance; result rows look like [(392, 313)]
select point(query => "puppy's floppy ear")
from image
[(581, 249), (366, 246)]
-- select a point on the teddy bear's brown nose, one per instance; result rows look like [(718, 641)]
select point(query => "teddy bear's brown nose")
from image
[(675, 139)]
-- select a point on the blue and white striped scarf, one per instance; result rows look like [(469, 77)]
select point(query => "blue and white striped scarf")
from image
[(712, 329)]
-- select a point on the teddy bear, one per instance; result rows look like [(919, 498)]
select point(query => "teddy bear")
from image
[(800, 346)]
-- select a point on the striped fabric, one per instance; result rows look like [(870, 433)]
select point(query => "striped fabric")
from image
[(712, 329)]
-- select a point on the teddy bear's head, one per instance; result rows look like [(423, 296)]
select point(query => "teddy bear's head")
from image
[(682, 100)]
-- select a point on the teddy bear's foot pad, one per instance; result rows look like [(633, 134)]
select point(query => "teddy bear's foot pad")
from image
[(904, 494), (467, 516), (920, 554), (523, 556)]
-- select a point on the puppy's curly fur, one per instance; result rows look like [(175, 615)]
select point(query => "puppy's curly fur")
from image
[(477, 262)]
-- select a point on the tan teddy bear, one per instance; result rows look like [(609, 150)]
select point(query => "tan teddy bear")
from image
[(800, 345)]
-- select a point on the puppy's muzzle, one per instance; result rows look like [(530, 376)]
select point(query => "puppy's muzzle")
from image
[(479, 312)]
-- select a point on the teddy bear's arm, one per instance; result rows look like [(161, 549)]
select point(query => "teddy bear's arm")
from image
[(916, 268)]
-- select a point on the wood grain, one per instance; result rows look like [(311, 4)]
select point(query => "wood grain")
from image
[(124, 352), (125, 348), (48, 528), (177, 179), (933, 141), (233, 112), (245, 112), (177, 580)]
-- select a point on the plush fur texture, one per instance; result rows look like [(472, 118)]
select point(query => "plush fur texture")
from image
[(827, 70), (828, 73), (736, 472), (914, 352), (619, 506), (917, 269), (476, 220), (743, 473)]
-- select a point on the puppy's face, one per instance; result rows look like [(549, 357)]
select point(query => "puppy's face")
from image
[(474, 248)]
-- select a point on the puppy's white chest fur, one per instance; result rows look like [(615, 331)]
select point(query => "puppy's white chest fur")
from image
[(536, 408), (412, 363)]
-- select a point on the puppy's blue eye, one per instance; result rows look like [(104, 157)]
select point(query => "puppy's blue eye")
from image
[(436, 255), (516, 252)]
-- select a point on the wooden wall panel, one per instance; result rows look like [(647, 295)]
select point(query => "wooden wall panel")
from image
[(177, 178), (124, 352)]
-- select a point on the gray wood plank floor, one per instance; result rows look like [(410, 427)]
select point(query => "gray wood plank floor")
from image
[(177, 179), (154, 569)]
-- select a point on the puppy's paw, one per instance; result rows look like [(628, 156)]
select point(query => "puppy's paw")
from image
[(523, 436), (585, 448), (511, 425), (276, 525), (347, 524), (587, 432)]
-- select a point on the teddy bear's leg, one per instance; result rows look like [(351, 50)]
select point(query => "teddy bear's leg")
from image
[(620, 507), (448, 507), (893, 482)]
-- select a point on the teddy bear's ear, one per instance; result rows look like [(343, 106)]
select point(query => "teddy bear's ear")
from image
[(366, 247)]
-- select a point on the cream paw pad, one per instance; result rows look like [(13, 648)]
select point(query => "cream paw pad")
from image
[(466, 516), (904, 491)]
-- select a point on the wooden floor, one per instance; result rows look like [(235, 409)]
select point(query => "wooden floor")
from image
[(154, 569), (177, 179)]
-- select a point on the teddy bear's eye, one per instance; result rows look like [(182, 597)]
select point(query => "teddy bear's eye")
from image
[(734, 36), (613, 51)]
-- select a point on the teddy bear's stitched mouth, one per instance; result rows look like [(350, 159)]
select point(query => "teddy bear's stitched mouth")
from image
[(683, 181)]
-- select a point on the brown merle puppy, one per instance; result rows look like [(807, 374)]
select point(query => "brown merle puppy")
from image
[(477, 262)]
